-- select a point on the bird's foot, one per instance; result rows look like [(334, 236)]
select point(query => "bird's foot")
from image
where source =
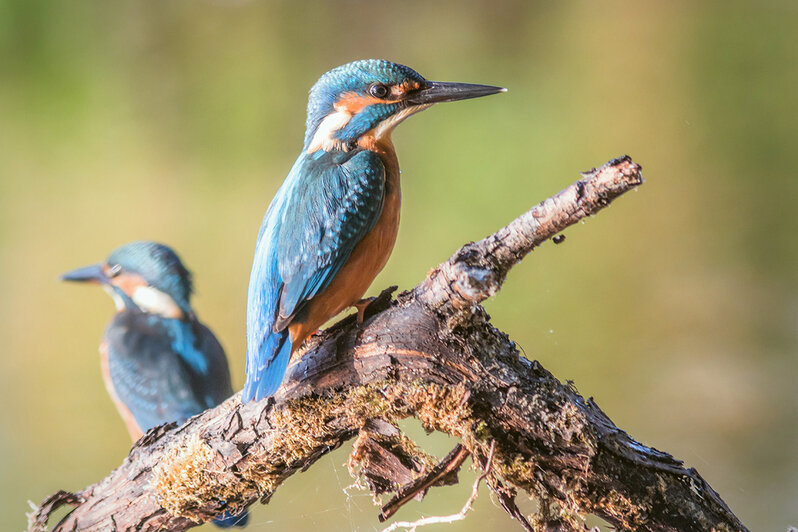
[(370, 306), (361, 307)]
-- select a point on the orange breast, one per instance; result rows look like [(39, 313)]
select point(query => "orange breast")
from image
[(130, 422), (367, 259)]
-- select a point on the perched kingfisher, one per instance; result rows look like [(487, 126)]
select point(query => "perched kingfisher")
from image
[(159, 363), (332, 224)]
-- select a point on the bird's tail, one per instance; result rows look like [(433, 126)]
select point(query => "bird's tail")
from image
[(229, 520), (264, 381)]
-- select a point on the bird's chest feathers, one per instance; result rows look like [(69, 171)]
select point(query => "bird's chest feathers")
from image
[(387, 226)]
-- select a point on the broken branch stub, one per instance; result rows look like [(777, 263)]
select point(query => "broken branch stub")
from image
[(431, 354)]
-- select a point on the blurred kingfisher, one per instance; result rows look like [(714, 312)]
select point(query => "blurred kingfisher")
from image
[(159, 363), (332, 224)]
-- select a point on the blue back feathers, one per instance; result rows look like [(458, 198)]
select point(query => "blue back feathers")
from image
[(328, 203), (163, 369), (333, 211)]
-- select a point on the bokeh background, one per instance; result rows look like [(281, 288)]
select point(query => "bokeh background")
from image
[(677, 308)]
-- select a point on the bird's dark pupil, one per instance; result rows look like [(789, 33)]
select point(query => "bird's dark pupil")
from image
[(380, 91)]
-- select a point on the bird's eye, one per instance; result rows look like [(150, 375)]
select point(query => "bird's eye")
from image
[(378, 90), (115, 270)]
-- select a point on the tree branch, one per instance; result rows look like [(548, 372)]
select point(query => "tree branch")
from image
[(449, 464), (459, 516), (431, 354)]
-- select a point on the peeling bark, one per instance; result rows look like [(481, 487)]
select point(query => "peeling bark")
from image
[(431, 354)]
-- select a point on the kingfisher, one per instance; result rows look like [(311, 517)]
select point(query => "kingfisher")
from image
[(159, 362), (332, 224)]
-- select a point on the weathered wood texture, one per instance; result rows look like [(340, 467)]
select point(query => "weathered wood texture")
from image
[(431, 354)]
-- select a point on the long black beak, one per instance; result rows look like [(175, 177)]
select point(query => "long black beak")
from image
[(87, 274), (444, 91)]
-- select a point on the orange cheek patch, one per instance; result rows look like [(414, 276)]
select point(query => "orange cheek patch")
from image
[(353, 103), (128, 282)]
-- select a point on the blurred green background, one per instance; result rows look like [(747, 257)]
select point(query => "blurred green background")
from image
[(677, 308)]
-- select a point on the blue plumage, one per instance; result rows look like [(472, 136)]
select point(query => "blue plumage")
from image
[(229, 520), (165, 370), (277, 347), (337, 201), (159, 265), (323, 215), (326, 206), (161, 364), (355, 77)]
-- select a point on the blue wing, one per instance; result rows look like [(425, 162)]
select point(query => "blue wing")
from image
[(328, 203), (327, 218), (165, 370)]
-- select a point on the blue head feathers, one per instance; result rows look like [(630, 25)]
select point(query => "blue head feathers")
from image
[(365, 86), (144, 275), (158, 265), (369, 98)]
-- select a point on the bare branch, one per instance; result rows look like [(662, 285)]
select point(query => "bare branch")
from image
[(451, 463), (431, 354), (478, 270), (459, 516)]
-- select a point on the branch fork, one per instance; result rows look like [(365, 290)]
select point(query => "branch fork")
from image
[(431, 354)]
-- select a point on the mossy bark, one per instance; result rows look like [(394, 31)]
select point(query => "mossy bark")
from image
[(431, 354)]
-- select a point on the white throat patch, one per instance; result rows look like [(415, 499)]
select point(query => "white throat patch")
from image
[(385, 127), (323, 139), (152, 300), (119, 303)]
